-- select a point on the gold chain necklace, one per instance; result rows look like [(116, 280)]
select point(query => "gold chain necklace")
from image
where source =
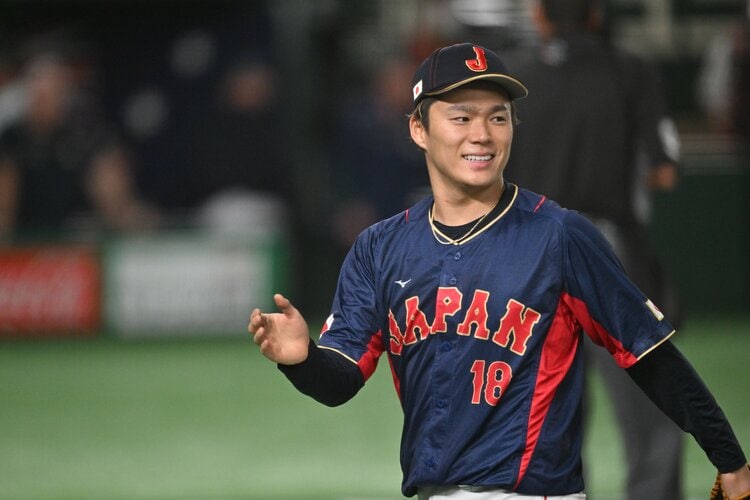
[(443, 239)]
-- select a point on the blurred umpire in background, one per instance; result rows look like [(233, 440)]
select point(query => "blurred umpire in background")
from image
[(596, 139)]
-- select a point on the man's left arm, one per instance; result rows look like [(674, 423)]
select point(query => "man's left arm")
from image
[(672, 383)]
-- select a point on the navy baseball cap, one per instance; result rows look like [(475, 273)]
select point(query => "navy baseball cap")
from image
[(450, 67)]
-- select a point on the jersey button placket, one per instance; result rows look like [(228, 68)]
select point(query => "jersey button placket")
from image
[(444, 367)]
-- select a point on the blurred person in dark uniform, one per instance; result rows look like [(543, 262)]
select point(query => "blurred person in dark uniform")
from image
[(723, 89), (378, 169), (239, 142), (57, 160), (595, 138), (238, 158)]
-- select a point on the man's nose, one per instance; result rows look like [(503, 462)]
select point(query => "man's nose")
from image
[(479, 131)]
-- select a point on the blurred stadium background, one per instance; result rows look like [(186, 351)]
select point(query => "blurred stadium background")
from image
[(124, 367)]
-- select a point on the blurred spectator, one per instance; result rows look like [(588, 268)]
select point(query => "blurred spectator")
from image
[(378, 168), (158, 72), (56, 159), (724, 81), (239, 143), (111, 190), (12, 93), (596, 114), (237, 155)]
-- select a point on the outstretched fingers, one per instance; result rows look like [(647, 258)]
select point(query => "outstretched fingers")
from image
[(257, 327), (284, 305), (256, 321), (283, 336)]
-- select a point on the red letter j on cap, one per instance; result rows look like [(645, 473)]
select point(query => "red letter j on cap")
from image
[(480, 63)]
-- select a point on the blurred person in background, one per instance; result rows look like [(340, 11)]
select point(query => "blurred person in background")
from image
[(237, 153), (112, 193), (597, 139), (239, 144), (378, 169), (59, 160), (237, 156), (723, 90), (12, 91)]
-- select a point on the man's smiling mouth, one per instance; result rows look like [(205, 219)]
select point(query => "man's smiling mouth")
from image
[(477, 157)]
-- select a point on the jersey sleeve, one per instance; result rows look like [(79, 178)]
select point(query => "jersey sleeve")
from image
[(353, 327), (609, 307)]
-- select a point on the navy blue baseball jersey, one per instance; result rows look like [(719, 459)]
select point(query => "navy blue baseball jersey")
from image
[(484, 338)]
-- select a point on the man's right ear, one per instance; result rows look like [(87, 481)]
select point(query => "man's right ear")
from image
[(417, 130)]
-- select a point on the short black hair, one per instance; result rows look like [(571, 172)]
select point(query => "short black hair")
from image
[(422, 111)]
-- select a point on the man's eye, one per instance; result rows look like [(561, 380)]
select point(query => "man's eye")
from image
[(461, 119), (500, 118)]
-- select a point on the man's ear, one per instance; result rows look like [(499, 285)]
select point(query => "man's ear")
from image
[(418, 133)]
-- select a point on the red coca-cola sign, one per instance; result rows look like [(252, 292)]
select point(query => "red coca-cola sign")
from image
[(49, 290)]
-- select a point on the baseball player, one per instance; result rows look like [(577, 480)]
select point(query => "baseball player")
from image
[(480, 295)]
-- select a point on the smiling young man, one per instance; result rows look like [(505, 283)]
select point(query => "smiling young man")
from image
[(466, 143), (480, 295)]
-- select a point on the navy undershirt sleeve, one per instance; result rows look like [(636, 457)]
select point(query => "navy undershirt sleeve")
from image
[(672, 383), (326, 376)]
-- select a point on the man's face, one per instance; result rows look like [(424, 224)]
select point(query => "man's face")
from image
[(469, 139)]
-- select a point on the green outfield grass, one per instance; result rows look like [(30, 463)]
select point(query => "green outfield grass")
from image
[(212, 419)]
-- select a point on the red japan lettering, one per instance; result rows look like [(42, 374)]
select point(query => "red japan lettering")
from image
[(514, 331), (476, 315), (519, 322), (448, 303), (396, 338), (417, 326)]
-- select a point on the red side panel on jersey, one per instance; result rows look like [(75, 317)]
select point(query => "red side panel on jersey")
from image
[(396, 380), (599, 334), (557, 357), (369, 361)]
